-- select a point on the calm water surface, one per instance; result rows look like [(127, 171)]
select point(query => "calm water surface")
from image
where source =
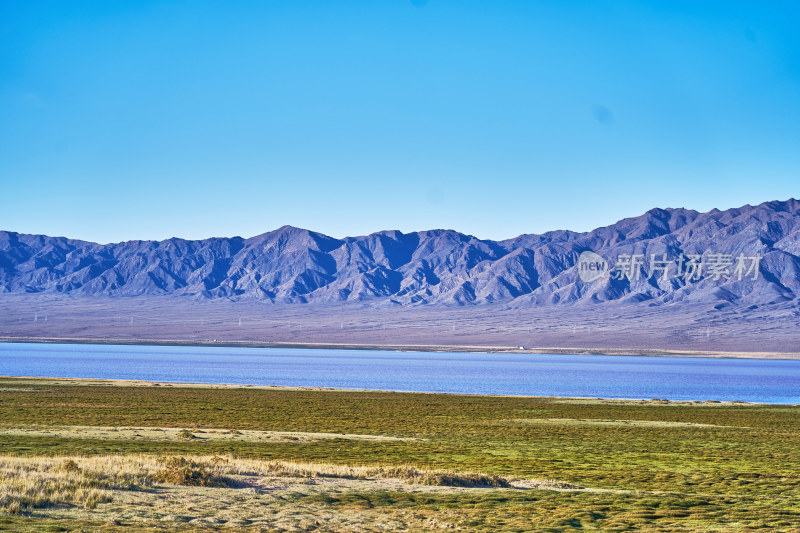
[(671, 378)]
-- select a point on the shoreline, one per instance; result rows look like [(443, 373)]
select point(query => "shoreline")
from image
[(710, 354), (141, 383)]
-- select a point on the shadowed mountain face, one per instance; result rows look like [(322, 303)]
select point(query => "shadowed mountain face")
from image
[(749, 255)]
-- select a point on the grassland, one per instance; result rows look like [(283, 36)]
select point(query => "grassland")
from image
[(121, 456)]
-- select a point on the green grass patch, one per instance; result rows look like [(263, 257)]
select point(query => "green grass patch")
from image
[(696, 466)]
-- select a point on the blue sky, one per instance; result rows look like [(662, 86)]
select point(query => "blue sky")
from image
[(123, 120)]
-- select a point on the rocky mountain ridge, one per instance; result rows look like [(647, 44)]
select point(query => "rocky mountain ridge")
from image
[(293, 265)]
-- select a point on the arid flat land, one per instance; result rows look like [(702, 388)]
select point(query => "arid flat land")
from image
[(115, 456), (619, 329)]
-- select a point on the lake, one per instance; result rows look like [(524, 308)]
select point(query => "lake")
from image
[(673, 378)]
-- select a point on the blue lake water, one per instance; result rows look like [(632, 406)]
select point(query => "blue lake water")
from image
[(673, 378)]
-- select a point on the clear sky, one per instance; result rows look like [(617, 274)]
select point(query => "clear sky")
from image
[(123, 120)]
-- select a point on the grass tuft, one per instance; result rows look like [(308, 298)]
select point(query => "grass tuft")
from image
[(186, 434), (411, 474), (182, 471)]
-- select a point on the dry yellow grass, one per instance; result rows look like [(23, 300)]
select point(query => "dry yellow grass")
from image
[(28, 483), (166, 434)]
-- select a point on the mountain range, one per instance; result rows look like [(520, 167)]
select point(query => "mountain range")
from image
[(293, 265)]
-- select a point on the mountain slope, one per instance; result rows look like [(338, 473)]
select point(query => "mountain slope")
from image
[(292, 265)]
